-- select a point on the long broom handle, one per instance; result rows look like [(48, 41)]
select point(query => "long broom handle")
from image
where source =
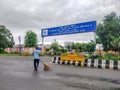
[(41, 62)]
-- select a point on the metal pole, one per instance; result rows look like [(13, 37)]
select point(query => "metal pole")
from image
[(42, 41), (95, 43), (42, 44), (19, 37), (95, 37)]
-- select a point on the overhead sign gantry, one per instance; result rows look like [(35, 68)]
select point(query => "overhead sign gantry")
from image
[(70, 29)]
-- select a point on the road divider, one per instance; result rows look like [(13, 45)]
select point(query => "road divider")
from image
[(92, 63)]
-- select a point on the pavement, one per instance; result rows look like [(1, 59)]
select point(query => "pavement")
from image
[(17, 73)]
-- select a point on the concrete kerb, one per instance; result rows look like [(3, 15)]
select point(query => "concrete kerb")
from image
[(92, 63)]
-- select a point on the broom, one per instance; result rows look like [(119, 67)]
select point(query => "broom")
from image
[(46, 67)]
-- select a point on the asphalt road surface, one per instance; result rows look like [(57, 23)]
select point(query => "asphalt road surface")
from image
[(17, 73)]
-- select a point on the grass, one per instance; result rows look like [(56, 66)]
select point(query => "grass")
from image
[(9, 54)]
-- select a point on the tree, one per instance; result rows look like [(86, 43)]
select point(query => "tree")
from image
[(54, 46), (115, 44), (108, 29), (84, 47), (90, 47), (98, 41), (73, 46), (30, 39), (6, 38), (78, 46)]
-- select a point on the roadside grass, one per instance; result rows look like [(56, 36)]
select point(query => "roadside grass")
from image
[(15, 54), (9, 54)]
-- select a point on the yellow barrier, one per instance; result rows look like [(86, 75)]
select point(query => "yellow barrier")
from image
[(73, 57)]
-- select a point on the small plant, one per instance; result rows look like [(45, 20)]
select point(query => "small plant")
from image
[(110, 56)]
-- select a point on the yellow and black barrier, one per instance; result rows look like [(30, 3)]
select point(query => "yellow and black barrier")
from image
[(70, 59)]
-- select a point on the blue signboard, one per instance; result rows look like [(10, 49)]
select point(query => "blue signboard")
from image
[(70, 29)]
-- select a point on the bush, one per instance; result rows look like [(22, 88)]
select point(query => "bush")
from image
[(63, 50), (98, 56), (110, 56), (1, 50)]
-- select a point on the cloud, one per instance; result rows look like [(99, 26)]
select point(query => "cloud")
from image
[(19, 16)]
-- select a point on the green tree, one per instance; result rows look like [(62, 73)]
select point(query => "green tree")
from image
[(108, 29), (115, 44), (55, 46), (98, 41), (30, 39), (78, 47), (73, 46), (84, 47), (6, 38), (90, 47)]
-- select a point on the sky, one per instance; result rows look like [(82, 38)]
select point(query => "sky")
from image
[(20, 16)]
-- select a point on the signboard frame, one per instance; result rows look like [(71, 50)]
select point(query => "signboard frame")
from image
[(69, 29)]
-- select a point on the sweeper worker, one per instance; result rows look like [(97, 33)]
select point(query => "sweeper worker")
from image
[(36, 54)]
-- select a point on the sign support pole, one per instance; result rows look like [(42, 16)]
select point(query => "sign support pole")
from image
[(42, 43), (95, 42), (95, 37)]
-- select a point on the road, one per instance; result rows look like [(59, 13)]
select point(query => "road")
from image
[(17, 73)]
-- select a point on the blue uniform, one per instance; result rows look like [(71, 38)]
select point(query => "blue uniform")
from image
[(36, 54)]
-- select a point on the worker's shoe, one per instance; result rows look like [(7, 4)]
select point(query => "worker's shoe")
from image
[(35, 69)]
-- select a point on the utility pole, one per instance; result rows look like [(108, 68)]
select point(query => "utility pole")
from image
[(19, 38)]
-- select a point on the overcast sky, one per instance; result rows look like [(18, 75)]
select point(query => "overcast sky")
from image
[(19, 16)]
